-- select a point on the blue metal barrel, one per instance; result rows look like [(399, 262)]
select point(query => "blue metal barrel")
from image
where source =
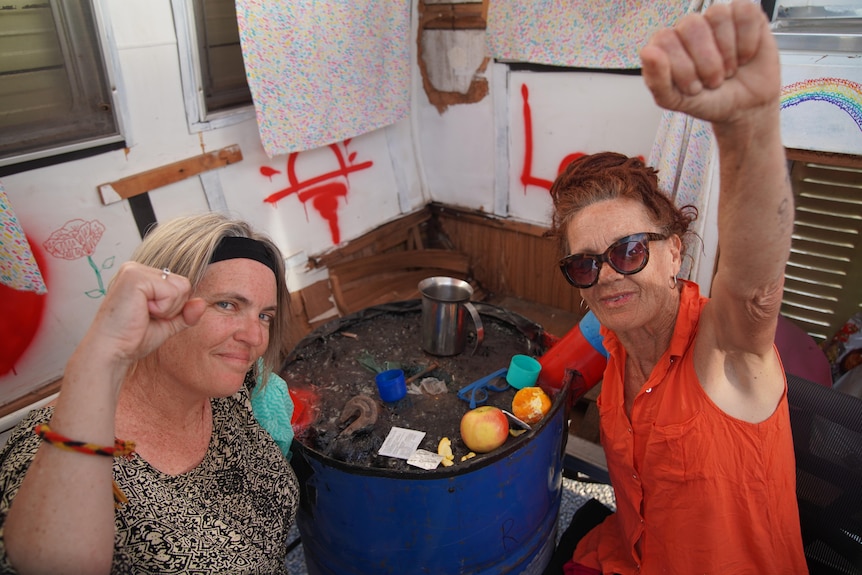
[(490, 516)]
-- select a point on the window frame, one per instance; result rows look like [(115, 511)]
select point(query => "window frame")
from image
[(107, 47), (821, 26), (198, 117)]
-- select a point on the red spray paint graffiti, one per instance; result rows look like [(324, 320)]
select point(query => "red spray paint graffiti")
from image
[(20, 317), (527, 178), (322, 191), (268, 172)]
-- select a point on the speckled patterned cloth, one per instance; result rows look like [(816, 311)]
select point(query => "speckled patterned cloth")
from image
[(231, 514), (18, 267), (323, 71), (579, 33)]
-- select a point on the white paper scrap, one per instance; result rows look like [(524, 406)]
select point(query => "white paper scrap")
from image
[(425, 459), (401, 443)]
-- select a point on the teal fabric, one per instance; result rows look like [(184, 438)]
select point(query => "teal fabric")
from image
[(273, 408)]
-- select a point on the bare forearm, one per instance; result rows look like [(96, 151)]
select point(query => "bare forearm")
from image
[(755, 218), (62, 518)]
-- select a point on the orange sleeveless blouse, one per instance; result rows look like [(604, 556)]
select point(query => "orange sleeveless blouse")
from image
[(697, 490)]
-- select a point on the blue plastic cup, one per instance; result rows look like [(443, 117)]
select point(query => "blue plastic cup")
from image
[(523, 371), (391, 385)]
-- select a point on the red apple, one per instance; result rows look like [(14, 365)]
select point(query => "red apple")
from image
[(484, 429)]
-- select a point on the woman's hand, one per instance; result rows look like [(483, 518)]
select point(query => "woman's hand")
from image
[(65, 497), (143, 308), (717, 66)]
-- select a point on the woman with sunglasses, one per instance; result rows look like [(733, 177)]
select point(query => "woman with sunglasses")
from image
[(693, 409)]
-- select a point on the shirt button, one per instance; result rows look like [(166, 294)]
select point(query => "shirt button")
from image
[(649, 390), (634, 475), (629, 429)]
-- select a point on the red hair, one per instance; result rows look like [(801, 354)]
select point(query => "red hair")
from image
[(609, 176)]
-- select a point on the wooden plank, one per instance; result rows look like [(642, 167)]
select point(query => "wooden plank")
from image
[(469, 17), (487, 220), (453, 17), (384, 288), (156, 178), (391, 287), (297, 326), (362, 282), (829, 158), (357, 269), (586, 457), (437, 17), (316, 299), (376, 241), (508, 258), (32, 397)]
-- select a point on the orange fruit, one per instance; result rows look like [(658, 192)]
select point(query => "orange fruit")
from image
[(530, 404)]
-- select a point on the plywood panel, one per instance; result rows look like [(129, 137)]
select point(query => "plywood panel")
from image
[(508, 257)]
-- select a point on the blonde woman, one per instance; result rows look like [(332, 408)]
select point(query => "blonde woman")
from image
[(205, 488)]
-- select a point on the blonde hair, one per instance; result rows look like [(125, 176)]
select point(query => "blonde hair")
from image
[(185, 246)]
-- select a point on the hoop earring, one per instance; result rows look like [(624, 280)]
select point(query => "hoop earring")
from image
[(674, 282), (584, 307)]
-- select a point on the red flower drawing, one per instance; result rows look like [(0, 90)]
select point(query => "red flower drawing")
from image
[(75, 239), (78, 239)]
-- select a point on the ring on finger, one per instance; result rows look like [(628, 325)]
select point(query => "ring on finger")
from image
[(165, 273)]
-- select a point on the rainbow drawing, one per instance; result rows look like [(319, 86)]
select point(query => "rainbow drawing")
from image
[(840, 92)]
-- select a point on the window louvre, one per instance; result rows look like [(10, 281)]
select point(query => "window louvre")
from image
[(222, 67), (215, 88), (819, 26), (823, 280), (54, 91)]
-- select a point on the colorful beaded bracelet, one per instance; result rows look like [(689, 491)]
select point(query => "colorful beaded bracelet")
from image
[(120, 447)]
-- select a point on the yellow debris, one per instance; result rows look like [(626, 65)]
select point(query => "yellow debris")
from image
[(444, 448)]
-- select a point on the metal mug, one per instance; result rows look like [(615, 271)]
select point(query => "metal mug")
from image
[(444, 303)]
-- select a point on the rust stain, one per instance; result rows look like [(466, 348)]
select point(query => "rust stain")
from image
[(478, 90)]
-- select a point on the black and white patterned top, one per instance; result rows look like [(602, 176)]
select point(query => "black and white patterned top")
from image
[(230, 514)]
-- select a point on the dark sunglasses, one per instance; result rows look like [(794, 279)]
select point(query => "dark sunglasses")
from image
[(626, 256)]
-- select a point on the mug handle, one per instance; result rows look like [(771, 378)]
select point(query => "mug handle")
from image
[(477, 321)]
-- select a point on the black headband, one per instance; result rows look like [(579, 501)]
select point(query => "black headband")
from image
[(231, 247)]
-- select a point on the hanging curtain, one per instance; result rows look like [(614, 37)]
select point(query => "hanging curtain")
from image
[(683, 153), (604, 34), (686, 156), (18, 268), (322, 71)]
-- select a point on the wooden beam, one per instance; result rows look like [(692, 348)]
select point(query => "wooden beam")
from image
[(452, 17), (487, 220), (469, 17), (32, 397), (376, 241), (828, 158), (586, 457), (156, 178)]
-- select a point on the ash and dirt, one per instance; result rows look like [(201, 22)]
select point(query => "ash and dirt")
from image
[(338, 361)]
